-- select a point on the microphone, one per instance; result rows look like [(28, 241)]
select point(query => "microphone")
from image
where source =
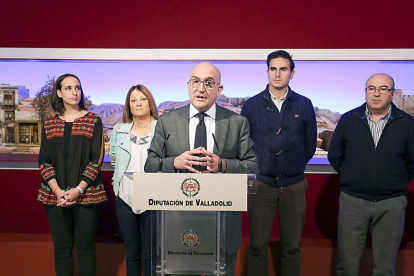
[(162, 152), (215, 143), (220, 164), (165, 143)]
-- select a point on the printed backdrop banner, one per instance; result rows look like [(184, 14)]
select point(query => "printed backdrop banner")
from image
[(190, 192)]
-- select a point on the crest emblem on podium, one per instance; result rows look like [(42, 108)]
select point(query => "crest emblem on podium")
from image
[(190, 238), (190, 187)]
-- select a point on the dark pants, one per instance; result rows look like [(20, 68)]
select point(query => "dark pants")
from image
[(384, 220), (290, 203), (74, 226), (139, 233)]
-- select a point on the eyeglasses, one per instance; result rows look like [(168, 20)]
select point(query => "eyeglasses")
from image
[(208, 84), (383, 90)]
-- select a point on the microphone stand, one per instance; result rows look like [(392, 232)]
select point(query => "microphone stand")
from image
[(220, 164), (162, 152)]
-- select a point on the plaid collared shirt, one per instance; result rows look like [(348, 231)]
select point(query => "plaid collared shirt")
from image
[(378, 127)]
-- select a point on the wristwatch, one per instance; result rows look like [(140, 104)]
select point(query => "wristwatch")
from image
[(80, 189)]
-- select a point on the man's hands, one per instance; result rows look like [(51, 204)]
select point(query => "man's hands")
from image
[(187, 159), (212, 162)]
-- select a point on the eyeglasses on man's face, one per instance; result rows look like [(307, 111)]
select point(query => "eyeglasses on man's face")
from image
[(208, 84), (383, 90)]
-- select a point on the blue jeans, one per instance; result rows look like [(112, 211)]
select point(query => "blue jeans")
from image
[(139, 233)]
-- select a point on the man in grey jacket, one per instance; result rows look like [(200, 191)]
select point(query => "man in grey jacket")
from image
[(204, 137)]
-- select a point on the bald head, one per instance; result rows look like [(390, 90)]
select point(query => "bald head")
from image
[(383, 78), (207, 67), (203, 97), (379, 102)]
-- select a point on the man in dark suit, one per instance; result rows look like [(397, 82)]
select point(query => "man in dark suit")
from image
[(226, 143)]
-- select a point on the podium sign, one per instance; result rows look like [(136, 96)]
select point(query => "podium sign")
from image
[(191, 243), (191, 227), (190, 192)]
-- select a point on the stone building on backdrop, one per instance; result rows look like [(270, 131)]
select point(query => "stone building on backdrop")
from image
[(19, 122)]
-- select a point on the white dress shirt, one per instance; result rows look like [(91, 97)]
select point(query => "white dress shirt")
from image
[(279, 102)]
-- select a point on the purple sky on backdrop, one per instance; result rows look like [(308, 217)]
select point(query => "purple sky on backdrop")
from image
[(334, 85)]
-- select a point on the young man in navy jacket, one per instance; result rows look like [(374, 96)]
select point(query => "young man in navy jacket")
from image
[(372, 149), (283, 129)]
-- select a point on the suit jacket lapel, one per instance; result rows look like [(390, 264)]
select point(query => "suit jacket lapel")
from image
[(182, 126), (222, 127)]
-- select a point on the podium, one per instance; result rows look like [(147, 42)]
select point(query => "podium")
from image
[(191, 212)]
